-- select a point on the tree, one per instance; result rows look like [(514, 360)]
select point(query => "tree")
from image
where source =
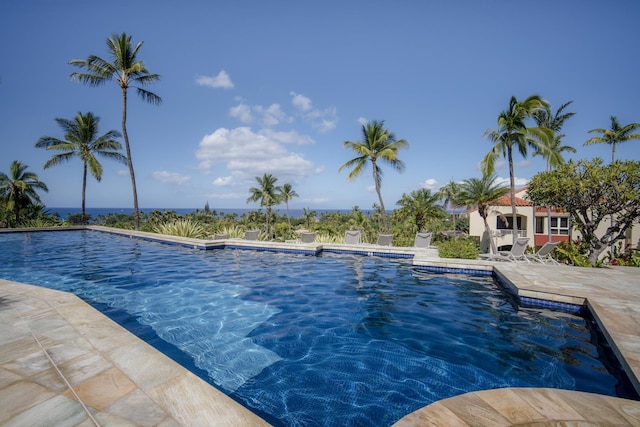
[(309, 216), (616, 135), (82, 141), (18, 190), (482, 193), (513, 133), (552, 147), (422, 207), (126, 71), (267, 193), (450, 193), (287, 193), (378, 144), (591, 193)]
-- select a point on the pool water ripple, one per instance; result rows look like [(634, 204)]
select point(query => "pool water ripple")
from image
[(327, 340)]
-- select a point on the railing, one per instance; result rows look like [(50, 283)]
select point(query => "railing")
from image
[(504, 232)]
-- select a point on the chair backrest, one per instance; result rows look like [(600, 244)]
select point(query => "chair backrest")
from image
[(251, 234), (547, 248), (385, 239), (352, 237), (308, 237), (519, 246), (422, 240), (220, 236)]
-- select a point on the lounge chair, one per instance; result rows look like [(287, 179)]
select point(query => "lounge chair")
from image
[(423, 240), (251, 234), (308, 237), (220, 236), (352, 237), (516, 253), (544, 254), (385, 239)]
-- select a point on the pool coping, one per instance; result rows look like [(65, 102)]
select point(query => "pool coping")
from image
[(540, 282)]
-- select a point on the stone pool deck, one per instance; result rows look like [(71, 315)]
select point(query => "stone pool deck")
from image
[(62, 363)]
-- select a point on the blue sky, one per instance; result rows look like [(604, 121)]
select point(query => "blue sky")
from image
[(250, 87)]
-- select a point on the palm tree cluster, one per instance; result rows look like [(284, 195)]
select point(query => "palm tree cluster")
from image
[(269, 194)]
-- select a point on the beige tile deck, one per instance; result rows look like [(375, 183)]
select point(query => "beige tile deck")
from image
[(64, 364)]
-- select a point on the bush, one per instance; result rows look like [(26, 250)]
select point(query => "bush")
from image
[(464, 248), (572, 253), (182, 228)]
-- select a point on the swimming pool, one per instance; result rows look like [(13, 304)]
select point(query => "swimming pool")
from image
[(327, 340)]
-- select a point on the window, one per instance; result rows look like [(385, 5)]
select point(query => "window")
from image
[(502, 225), (539, 225), (560, 226)]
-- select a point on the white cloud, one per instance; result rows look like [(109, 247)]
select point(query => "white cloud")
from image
[(300, 101), (222, 80), (430, 184), (519, 182), (122, 172), (272, 115), (222, 181), (171, 178), (241, 112), (362, 121), (247, 154)]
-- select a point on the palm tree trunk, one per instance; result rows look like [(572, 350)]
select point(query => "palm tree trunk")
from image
[(136, 213), (514, 219), (384, 212), (84, 190)]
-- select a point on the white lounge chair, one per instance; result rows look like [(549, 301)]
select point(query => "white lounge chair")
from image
[(515, 254), (251, 234), (220, 236), (352, 237), (308, 237), (423, 240), (544, 254), (385, 239)]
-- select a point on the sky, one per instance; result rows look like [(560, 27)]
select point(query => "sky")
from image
[(255, 87)]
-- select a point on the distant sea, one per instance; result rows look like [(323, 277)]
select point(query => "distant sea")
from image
[(94, 212)]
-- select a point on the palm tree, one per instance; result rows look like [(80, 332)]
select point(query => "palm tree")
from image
[(82, 140), (126, 71), (449, 193), (267, 193), (377, 144), (482, 193), (18, 190), (421, 206), (513, 133), (615, 135), (552, 143), (309, 216), (287, 193)]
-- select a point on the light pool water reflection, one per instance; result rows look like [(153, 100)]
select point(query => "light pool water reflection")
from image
[(327, 340)]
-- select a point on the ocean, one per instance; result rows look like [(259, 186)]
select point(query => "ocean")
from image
[(94, 212)]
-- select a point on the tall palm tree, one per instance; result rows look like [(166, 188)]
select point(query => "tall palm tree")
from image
[(616, 135), (127, 71), (513, 133), (82, 140), (287, 193), (377, 144), (421, 206), (309, 216), (267, 193), (552, 148), (18, 190), (482, 193), (450, 193)]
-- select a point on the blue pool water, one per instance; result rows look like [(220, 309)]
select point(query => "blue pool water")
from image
[(327, 340)]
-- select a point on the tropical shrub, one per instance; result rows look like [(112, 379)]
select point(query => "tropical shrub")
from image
[(182, 228), (572, 253), (461, 247)]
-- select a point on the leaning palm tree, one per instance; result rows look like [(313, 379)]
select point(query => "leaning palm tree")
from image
[(482, 193), (267, 193), (82, 141), (552, 147), (513, 133), (18, 190), (616, 135), (449, 193), (377, 144), (124, 69), (287, 193)]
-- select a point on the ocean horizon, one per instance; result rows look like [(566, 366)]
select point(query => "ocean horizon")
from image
[(64, 212)]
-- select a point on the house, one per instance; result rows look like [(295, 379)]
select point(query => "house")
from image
[(533, 222)]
